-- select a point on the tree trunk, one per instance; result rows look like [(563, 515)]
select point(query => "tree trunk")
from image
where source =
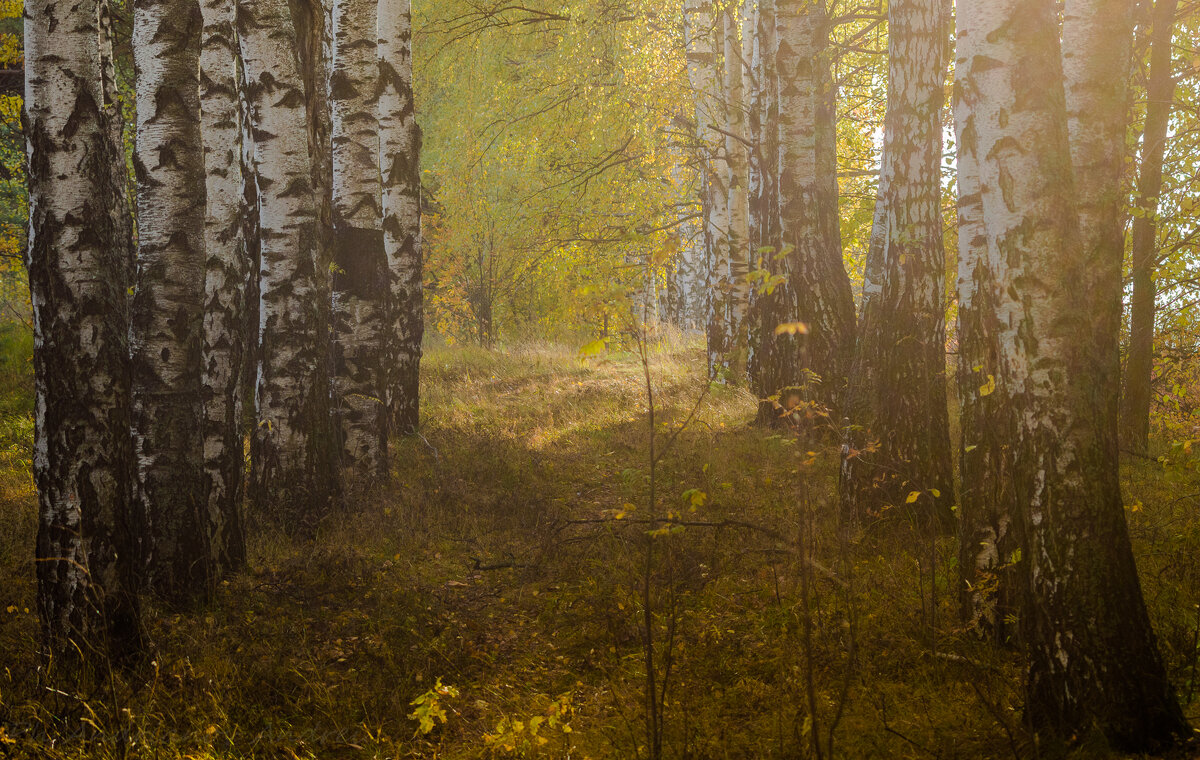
[(734, 283), (1093, 658), (1139, 367), (400, 163), (988, 527), (168, 303), (763, 126), (811, 362), (290, 450), (706, 77), (360, 281), (78, 277), (898, 384), (226, 325)]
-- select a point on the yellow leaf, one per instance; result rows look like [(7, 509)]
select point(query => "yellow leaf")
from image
[(936, 493), (593, 348), (989, 387), (912, 496), (792, 328)]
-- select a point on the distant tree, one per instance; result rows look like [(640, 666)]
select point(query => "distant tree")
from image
[(168, 302), (731, 283), (400, 166), (78, 275), (1093, 658), (361, 273), (1139, 366), (290, 455), (810, 290), (227, 329), (898, 381), (704, 44)]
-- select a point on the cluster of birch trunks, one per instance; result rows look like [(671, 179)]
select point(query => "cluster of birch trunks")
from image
[(1040, 105), (273, 244)]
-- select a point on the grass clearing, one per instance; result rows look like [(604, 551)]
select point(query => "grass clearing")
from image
[(499, 580)]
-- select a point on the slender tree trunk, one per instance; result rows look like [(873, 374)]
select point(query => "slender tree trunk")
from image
[(400, 163), (898, 384), (811, 362), (168, 303), (734, 291), (706, 77), (290, 449), (1139, 368), (78, 276), (1093, 658), (763, 185), (360, 282), (226, 326), (989, 535)]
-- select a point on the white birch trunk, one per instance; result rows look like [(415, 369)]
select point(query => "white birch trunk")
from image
[(290, 456), (737, 160), (168, 303), (898, 382), (1093, 659), (809, 257), (226, 325), (78, 276), (988, 535), (360, 282), (400, 168), (705, 75)]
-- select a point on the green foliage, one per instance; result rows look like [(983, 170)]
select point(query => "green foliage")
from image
[(429, 709), (553, 166)]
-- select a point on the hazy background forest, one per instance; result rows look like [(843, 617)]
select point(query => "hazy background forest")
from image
[(590, 549)]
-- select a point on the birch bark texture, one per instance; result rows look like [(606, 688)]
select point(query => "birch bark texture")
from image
[(706, 77), (763, 126), (988, 526), (1139, 366), (898, 382), (227, 328), (290, 448), (400, 165), (360, 280), (168, 303), (809, 363), (78, 259), (1093, 657), (733, 281)]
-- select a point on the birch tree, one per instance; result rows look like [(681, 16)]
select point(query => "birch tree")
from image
[(290, 448), (1139, 367), (400, 164), (1093, 658), (806, 323), (226, 285), (733, 283), (168, 303), (78, 258), (989, 540), (706, 76), (898, 383), (762, 186), (360, 282)]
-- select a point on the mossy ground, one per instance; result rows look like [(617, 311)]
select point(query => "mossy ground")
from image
[(505, 561)]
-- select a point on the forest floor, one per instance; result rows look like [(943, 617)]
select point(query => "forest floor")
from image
[(493, 600)]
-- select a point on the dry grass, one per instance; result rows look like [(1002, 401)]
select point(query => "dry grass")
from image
[(506, 558)]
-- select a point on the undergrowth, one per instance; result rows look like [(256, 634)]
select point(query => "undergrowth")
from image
[(489, 601)]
